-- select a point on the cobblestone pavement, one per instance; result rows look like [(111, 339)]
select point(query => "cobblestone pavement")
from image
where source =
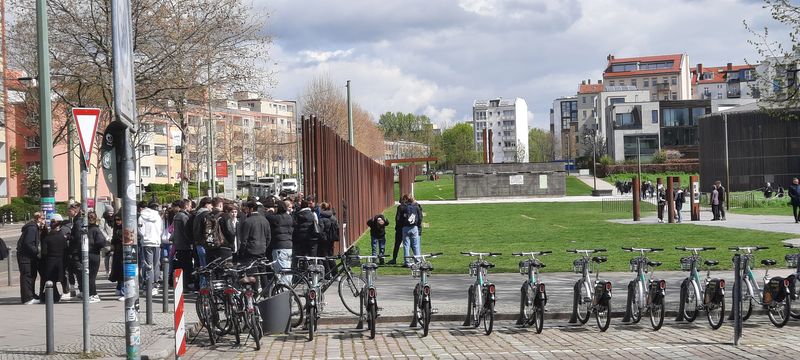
[(557, 341)]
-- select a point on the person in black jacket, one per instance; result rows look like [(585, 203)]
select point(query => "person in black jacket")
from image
[(306, 226), (117, 259), (398, 228), (73, 263), (794, 199), (54, 245), (377, 232), (28, 258), (254, 234), (97, 241), (281, 225)]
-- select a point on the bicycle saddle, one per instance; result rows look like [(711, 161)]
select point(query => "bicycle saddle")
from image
[(711, 262), (768, 262), (369, 266), (425, 267), (248, 280), (654, 263), (599, 259)]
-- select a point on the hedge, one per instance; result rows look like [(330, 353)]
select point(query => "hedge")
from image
[(605, 170)]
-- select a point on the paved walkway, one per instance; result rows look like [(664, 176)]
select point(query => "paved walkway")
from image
[(773, 223), (601, 184), (560, 199)]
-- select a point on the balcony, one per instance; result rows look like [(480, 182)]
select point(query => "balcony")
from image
[(665, 87), (734, 90)]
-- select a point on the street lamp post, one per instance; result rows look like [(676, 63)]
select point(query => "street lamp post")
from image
[(48, 201)]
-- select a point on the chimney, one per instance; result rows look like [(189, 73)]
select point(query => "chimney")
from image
[(730, 67), (699, 71), (583, 82), (600, 82), (589, 81), (609, 57)]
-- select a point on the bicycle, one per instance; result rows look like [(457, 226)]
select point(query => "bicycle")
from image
[(648, 294), (712, 293), (209, 301), (421, 268), (241, 301), (591, 299), (794, 288), (775, 295), (369, 296), (315, 296), (349, 284), (533, 297), (481, 299)]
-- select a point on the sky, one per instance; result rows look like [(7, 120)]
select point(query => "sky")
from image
[(435, 57)]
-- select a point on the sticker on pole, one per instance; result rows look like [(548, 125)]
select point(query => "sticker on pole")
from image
[(86, 122)]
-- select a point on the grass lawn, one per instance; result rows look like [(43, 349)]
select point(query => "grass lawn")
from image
[(784, 209), (508, 228), (611, 179), (442, 189), (576, 187)]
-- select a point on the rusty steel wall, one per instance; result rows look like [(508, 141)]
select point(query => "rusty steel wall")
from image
[(335, 172), (406, 177)]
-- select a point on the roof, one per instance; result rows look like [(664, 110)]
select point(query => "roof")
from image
[(590, 88), (718, 73), (675, 58)]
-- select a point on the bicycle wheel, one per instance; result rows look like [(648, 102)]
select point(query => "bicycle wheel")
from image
[(350, 287), (538, 318), (220, 315), (372, 315), (657, 315), (584, 302), (779, 313), (716, 314), (488, 317), (795, 311), (689, 301), (417, 309), (528, 307), (746, 307), (603, 317), (311, 322), (233, 316), (476, 309), (295, 304), (254, 323), (204, 306), (636, 304), (426, 317)]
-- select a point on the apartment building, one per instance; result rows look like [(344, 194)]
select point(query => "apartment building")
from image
[(724, 82), (665, 77), (508, 120), (564, 126), (588, 97), (405, 150)]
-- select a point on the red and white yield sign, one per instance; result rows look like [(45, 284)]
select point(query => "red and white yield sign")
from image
[(86, 122)]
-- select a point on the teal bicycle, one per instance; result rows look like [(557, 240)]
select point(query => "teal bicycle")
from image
[(775, 295), (481, 293), (533, 297), (647, 295)]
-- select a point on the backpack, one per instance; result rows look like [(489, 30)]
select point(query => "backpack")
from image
[(213, 237), (410, 214), (332, 230), (3, 250)]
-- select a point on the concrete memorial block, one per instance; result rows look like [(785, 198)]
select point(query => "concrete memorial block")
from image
[(510, 180)]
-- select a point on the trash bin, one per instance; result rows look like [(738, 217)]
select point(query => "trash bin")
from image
[(275, 313)]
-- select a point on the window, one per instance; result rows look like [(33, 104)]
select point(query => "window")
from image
[(653, 97), (646, 146), (161, 171), (623, 67), (144, 171), (656, 65), (611, 83), (160, 129), (665, 80), (508, 113), (583, 99), (480, 115), (625, 120), (646, 83), (653, 81), (707, 75), (674, 96), (674, 80), (2, 152), (618, 100), (32, 142), (654, 116), (622, 83), (144, 149), (160, 149), (584, 114), (719, 95), (633, 82), (696, 114), (3, 187), (676, 117), (748, 75)]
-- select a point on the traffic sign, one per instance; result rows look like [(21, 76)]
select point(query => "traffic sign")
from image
[(86, 122), (122, 51)]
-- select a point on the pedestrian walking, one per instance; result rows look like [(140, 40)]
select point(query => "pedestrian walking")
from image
[(715, 203), (281, 225), (377, 233), (117, 259), (661, 202), (399, 223), (74, 263), (54, 246), (151, 226), (794, 199), (679, 199), (97, 241), (28, 258), (412, 229), (723, 198)]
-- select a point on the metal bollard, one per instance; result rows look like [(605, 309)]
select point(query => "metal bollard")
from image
[(149, 295), (8, 266), (48, 290), (164, 285)]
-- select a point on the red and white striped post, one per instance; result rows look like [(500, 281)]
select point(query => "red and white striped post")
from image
[(180, 327)]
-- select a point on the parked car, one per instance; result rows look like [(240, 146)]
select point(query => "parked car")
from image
[(288, 187)]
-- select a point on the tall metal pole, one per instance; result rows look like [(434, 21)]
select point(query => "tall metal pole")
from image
[(639, 156), (48, 189), (70, 163), (350, 136), (297, 142), (87, 343), (129, 252), (727, 164)]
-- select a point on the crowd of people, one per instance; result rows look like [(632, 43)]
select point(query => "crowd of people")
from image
[(188, 234)]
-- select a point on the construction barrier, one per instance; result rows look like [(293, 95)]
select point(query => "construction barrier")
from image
[(180, 326)]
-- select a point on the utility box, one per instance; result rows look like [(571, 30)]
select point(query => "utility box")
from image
[(510, 180)]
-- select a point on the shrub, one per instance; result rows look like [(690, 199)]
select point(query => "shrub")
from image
[(606, 160), (659, 157), (671, 155)]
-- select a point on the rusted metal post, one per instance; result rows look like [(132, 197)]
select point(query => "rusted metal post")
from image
[(637, 198), (694, 186), (659, 208), (670, 200)]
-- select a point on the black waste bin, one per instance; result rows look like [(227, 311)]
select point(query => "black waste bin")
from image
[(276, 313)]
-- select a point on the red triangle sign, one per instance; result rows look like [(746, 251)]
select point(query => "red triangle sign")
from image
[(86, 120)]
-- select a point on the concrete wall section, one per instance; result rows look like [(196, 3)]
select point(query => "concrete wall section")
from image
[(510, 180)]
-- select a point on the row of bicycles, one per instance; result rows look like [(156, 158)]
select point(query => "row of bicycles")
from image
[(227, 302)]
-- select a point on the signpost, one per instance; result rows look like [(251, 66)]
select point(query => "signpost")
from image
[(86, 123)]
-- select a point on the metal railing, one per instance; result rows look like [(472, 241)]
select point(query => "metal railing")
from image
[(626, 205)]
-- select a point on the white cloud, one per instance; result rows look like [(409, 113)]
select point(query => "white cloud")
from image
[(323, 56), (444, 117)]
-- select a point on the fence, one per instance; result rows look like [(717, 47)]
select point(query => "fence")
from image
[(626, 205), (406, 178), (335, 172)]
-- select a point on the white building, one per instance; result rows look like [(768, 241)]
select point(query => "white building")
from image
[(564, 126), (724, 82), (508, 120)]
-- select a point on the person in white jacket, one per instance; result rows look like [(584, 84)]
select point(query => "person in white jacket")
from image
[(151, 226)]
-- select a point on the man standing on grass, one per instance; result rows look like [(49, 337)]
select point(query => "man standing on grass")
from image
[(399, 223), (794, 198), (715, 202), (377, 232)]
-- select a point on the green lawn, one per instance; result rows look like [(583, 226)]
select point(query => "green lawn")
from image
[(510, 228), (442, 189), (576, 187), (611, 179)]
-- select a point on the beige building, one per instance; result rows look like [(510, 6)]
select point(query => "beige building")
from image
[(666, 77), (405, 149)]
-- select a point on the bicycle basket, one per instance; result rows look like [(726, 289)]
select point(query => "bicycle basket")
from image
[(791, 260), (352, 259), (634, 267), (686, 263), (578, 264), (415, 270), (523, 267)]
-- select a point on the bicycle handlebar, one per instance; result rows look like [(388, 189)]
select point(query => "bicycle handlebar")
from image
[(532, 253), (632, 249), (791, 246), (747, 248), (423, 256), (684, 248), (470, 253), (576, 251)]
